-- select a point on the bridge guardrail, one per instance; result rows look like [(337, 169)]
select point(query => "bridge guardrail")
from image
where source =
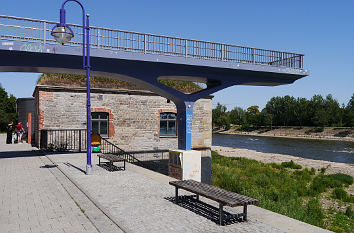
[(33, 30)]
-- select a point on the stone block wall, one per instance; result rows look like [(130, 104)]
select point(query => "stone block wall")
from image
[(134, 116)]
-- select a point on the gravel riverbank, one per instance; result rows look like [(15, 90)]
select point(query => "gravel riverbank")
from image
[(331, 167)]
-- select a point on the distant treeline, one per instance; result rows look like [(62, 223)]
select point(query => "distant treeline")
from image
[(288, 111), (7, 109)]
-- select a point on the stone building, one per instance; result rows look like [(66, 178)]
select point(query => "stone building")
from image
[(131, 119)]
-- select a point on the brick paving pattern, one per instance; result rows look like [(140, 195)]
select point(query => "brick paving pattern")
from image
[(37, 196), (31, 199), (142, 204)]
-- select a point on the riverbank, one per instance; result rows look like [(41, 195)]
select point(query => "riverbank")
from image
[(316, 133), (307, 195), (331, 167)]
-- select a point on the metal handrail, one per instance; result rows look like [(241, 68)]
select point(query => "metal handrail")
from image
[(108, 147), (34, 30)]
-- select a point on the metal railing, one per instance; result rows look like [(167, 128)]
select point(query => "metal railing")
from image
[(74, 140), (63, 140), (33, 30), (150, 159)]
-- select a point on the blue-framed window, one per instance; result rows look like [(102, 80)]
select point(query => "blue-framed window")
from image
[(168, 124)]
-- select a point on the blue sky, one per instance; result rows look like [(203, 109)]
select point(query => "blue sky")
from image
[(322, 30)]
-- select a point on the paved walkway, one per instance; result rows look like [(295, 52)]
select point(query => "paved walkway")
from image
[(31, 197), (37, 195), (140, 201)]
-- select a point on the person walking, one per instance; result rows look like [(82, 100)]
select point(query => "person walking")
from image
[(20, 131), (9, 133)]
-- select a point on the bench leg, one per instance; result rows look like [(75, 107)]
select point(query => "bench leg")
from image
[(220, 213), (176, 195), (99, 161), (124, 164), (197, 197), (245, 213)]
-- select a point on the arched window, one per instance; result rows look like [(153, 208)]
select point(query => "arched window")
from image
[(168, 124)]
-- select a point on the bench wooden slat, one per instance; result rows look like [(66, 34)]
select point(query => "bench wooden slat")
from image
[(217, 194), (111, 157)]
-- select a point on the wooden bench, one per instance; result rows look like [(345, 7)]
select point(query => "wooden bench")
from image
[(222, 196), (111, 158)]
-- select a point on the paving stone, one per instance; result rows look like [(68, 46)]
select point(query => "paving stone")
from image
[(33, 199), (143, 204)]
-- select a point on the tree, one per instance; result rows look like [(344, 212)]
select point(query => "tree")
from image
[(348, 113), (317, 109), (301, 111), (237, 116), (7, 109), (333, 111), (220, 117), (254, 117)]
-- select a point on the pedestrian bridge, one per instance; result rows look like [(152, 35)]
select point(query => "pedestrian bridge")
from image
[(27, 46)]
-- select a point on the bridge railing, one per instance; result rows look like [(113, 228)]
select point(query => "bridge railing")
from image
[(33, 30)]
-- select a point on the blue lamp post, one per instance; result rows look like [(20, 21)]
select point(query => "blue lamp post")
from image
[(62, 33)]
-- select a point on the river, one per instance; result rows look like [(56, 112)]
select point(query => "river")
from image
[(329, 150)]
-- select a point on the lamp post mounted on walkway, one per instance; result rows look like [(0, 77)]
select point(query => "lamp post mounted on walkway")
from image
[(62, 33)]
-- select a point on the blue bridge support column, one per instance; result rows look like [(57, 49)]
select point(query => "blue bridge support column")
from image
[(184, 125)]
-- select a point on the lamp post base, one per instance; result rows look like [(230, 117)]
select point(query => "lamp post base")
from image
[(88, 170)]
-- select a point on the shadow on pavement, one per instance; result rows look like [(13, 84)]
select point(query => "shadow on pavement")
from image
[(71, 165), (205, 210), (49, 166), (16, 154)]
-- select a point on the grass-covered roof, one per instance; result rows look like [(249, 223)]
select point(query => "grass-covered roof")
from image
[(100, 82)]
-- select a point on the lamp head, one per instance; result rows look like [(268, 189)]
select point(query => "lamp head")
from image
[(62, 33)]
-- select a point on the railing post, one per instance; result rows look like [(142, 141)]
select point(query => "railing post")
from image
[(253, 55), (144, 43), (186, 48), (44, 33), (80, 140), (98, 39), (222, 52), (44, 139), (282, 59)]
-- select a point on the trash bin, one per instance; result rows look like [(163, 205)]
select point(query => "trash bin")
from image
[(95, 142)]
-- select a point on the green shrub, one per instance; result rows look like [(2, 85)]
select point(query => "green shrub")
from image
[(302, 175), (318, 129), (349, 212), (315, 211), (245, 127), (313, 171), (343, 221), (291, 165), (323, 170), (340, 193), (336, 229), (322, 182), (343, 178), (275, 165)]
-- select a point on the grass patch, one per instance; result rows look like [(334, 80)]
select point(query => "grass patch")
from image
[(82, 210), (291, 165), (294, 193), (322, 182), (101, 82)]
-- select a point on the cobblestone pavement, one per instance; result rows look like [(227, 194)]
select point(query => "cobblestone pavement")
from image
[(142, 204), (31, 199)]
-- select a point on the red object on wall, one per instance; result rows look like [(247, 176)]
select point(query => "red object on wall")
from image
[(29, 130)]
